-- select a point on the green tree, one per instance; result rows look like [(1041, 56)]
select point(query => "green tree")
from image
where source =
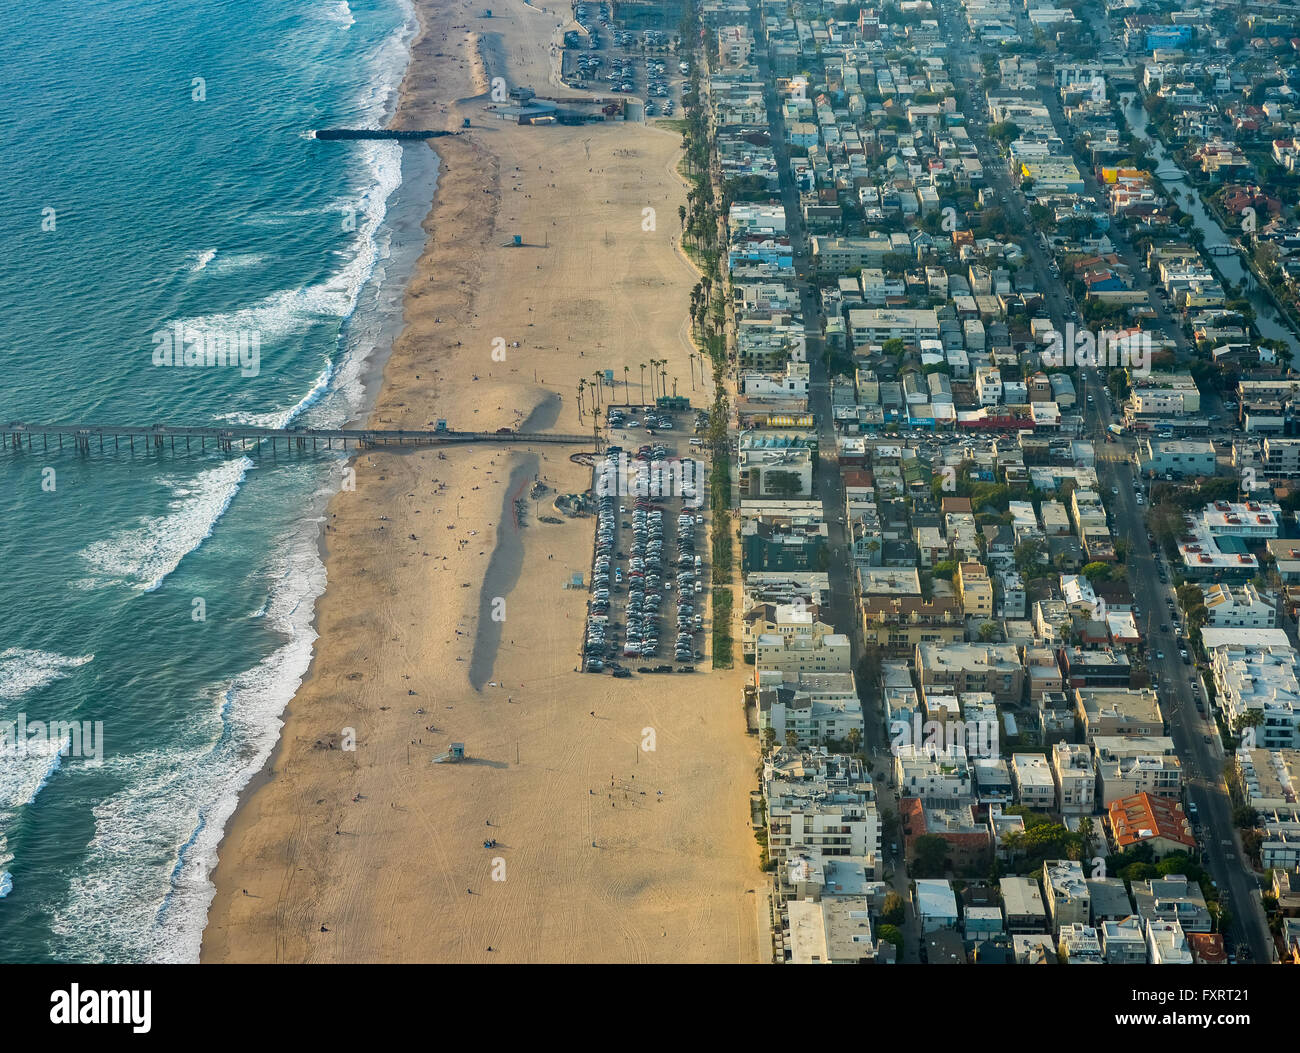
[(892, 934), (1004, 132), (1030, 556), (894, 911), (930, 856)]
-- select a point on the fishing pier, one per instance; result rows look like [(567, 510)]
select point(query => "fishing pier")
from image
[(84, 438)]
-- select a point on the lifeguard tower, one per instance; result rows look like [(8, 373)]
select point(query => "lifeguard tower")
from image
[(454, 755)]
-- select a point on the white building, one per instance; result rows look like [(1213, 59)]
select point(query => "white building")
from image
[(1124, 942), (1240, 608), (1034, 783), (1068, 898), (1076, 782), (1247, 519), (1167, 944), (821, 802), (936, 905), (818, 708), (1262, 680), (938, 773)]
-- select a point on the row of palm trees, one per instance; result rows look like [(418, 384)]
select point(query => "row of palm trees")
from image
[(658, 388)]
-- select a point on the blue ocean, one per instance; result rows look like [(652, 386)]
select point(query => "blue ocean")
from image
[(159, 177)]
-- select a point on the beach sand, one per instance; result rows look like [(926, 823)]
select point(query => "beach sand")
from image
[(606, 852)]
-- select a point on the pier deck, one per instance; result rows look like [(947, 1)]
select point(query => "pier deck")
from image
[(17, 435)]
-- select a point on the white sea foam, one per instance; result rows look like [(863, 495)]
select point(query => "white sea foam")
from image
[(144, 891), (340, 13), (143, 556), (204, 258), (284, 417), (22, 670), (229, 263), (23, 774)]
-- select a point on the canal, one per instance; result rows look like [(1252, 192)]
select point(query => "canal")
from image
[(1270, 323)]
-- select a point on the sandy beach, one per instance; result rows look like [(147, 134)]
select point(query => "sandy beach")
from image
[(605, 851)]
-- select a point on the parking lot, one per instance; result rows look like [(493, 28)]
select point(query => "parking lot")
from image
[(650, 540), (622, 61)]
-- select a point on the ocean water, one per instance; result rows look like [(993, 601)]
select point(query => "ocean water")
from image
[(158, 173)]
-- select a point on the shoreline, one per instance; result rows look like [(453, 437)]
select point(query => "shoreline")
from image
[(385, 878)]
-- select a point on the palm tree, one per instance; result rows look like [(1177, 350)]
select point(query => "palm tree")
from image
[(1085, 831), (596, 385), (642, 383), (626, 393), (663, 378), (582, 386), (692, 358), (681, 214)]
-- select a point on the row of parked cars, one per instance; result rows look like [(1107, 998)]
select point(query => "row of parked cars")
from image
[(618, 417), (689, 587), (645, 583), (596, 646), (655, 71), (623, 78), (588, 65)]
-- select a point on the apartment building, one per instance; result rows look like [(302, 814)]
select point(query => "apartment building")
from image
[(975, 590), (1022, 905), (1074, 778), (798, 654), (1262, 679), (816, 708), (1066, 893), (1124, 942), (934, 772), (821, 802), (1111, 711), (1172, 899), (874, 326), (1242, 607), (994, 668), (897, 624), (1035, 786), (1127, 766)]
